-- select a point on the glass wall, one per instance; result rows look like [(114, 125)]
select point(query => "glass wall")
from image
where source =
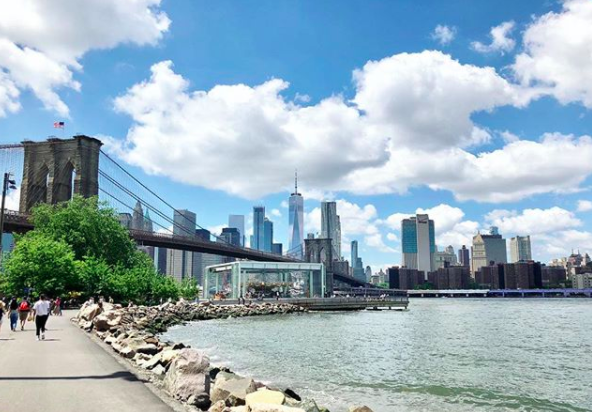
[(263, 279)]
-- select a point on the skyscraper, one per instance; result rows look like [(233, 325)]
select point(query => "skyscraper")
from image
[(488, 248), (331, 226), (148, 227), (418, 241), (238, 222), (520, 248), (180, 262), (138, 217), (257, 241), (267, 234), (463, 256), (296, 221), (356, 262), (231, 235)]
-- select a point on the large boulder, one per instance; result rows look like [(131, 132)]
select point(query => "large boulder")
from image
[(266, 407), (89, 312), (359, 409), (234, 391), (265, 396), (187, 375)]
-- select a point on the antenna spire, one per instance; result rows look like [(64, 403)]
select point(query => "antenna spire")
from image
[(295, 180)]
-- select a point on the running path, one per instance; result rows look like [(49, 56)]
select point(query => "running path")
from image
[(66, 372)]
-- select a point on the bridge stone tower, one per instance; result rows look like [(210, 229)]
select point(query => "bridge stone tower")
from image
[(320, 250), (56, 169)]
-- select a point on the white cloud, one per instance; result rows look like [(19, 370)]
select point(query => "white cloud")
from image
[(509, 137), (444, 216), (13, 199), (215, 230), (557, 55), (375, 241), (500, 40), (276, 213), (562, 243), (584, 205), (392, 237), (42, 42), (532, 221), (444, 34), (408, 125), (284, 204)]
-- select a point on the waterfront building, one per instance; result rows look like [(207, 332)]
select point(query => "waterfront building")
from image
[(393, 277), (553, 276), (409, 278), (180, 262), (267, 234), (418, 243), (368, 273), (257, 240), (582, 281), (488, 248), (296, 222), (525, 277), (238, 222), (463, 256), (277, 248), (454, 277), (331, 226), (520, 248)]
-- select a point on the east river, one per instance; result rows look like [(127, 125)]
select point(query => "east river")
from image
[(441, 355)]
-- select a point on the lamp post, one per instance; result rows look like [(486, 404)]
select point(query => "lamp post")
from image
[(7, 184)]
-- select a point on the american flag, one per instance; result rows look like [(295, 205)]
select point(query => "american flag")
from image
[(58, 125)]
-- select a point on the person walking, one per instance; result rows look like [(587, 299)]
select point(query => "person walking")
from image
[(1, 313), (23, 311), (41, 313), (58, 307), (13, 311)]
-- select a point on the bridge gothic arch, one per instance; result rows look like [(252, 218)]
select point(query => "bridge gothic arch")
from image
[(56, 169)]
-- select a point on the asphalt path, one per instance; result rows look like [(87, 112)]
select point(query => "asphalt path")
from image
[(66, 372)]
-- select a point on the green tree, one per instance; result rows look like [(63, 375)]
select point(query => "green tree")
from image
[(189, 289), (89, 227), (42, 263)]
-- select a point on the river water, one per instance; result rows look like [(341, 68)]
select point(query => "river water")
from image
[(441, 355)]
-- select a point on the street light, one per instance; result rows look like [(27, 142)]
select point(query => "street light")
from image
[(8, 184)]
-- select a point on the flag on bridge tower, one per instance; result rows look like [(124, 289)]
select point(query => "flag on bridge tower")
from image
[(58, 125)]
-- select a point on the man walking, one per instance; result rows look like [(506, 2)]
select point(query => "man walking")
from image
[(41, 312), (13, 308)]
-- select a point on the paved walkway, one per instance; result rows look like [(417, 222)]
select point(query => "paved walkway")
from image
[(66, 372)]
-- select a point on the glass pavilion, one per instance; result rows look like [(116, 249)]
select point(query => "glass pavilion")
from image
[(236, 279)]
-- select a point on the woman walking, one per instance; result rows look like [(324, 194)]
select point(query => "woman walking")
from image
[(1, 313), (13, 310)]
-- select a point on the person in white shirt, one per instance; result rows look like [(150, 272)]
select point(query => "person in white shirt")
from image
[(41, 312)]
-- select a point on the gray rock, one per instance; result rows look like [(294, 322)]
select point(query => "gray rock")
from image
[(359, 409), (186, 376), (233, 390)]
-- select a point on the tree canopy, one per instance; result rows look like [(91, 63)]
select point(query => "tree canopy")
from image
[(80, 246)]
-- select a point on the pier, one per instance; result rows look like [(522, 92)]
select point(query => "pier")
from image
[(338, 303)]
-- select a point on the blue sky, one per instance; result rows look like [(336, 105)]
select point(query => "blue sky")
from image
[(476, 126)]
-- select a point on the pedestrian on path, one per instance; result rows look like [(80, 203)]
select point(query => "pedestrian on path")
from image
[(1, 313), (23, 311), (41, 312), (13, 310)]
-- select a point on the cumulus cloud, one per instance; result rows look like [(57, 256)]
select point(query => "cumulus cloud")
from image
[(500, 39), (407, 108), (276, 213), (584, 205), (42, 42), (392, 237), (557, 56), (532, 221), (444, 34)]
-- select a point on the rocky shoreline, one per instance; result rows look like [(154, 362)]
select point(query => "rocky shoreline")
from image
[(185, 373)]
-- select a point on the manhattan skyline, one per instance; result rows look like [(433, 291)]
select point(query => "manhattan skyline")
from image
[(506, 144)]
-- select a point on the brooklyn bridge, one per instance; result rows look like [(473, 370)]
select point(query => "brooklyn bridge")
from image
[(56, 169)]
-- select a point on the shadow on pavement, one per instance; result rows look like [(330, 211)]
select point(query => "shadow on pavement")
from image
[(117, 375)]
